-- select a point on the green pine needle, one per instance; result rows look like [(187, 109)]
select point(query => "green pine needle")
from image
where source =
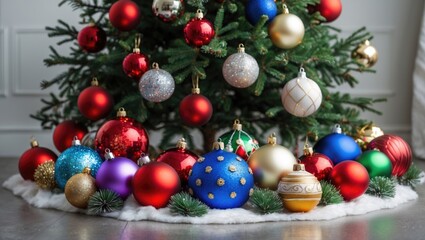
[(184, 204), (330, 195), (104, 201), (266, 201), (411, 177), (383, 187)]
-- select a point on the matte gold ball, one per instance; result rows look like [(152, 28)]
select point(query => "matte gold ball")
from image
[(366, 54), (286, 31), (79, 188)]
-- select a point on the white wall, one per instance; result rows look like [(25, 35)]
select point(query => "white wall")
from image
[(24, 44)]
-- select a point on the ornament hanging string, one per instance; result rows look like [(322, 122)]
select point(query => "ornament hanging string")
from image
[(195, 84), (137, 41)]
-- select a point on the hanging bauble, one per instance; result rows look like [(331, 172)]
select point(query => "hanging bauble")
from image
[(286, 30), (351, 178), (64, 134), (240, 69), (365, 54), (34, 157), (301, 96), (116, 174), (329, 9), (198, 31), (156, 85), (92, 38), (88, 139), (270, 163), (79, 188), (300, 191), (239, 141), (180, 159), (317, 164), (124, 136), (168, 10), (124, 15), (366, 134), (135, 64), (154, 184), (254, 9), (44, 175), (95, 102), (73, 161), (376, 163), (221, 179), (396, 149), (338, 146)]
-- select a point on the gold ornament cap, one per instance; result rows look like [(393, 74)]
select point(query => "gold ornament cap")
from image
[(299, 167), (76, 141), (199, 14), (86, 170), (181, 144), (241, 48), (272, 139), (108, 154), (219, 145), (237, 126), (94, 82), (143, 160), (33, 142), (121, 112), (285, 9), (308, 151)]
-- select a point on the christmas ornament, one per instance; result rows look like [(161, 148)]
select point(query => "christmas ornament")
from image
[(351, 178), (73, 161), (316, 163), (124, 136), (238, 141), (88, 139), (168, 10), (34, 157), (254, 9), (329, 9), (365, 54), (240, 69), (124, 15), (376, 163), (44, 175), (79, 188), (198, 31), (270, 163), (156, 85), (286, 30), (180, 159), (366, 134), (92, 38), (65, 132), (338, 146), (301, 96), (154, 184), (300, 191), (116, 174), (135, 64), (397, 150), (95, 102), (221, 179)]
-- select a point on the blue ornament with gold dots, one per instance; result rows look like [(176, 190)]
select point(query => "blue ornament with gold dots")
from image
[(221, 179)]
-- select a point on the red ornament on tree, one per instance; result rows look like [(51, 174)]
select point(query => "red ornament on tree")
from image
[(396, 149), (92, 38), (329, 9), (198, 31), (124, 136), (135, 64), (317, 164), (95, 102), (351, 178), (34, 157), (154, 184), (64, 134), (124, 15)]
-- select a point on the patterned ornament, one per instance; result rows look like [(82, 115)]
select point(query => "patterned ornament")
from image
[(64, 134), (198, 31), (366, 134), (286, 30), (73, 161), (156, 85), (135, 64), (301, 96), (376, 163), (239, 142), (79, 188), (88, 139), (95, 102), (329, 9), (300, 191), (168, 10), (240, 69), (44, 175), (92, 38), (365, 54), (270, 163), (124, 15), (316, 163), (221, 179), (254, 9), (351, 178)]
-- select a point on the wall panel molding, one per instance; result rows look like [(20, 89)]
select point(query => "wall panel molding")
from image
[(3, 63)]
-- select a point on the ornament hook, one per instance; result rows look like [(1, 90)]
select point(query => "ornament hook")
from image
[(108, 154), (155, 65), (199, 14), (241, 48), (137, 41), (94, 81), (195, 84), (285, 8), (237, 125)]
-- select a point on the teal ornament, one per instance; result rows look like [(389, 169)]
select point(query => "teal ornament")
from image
[(239, 142), (376, 163)]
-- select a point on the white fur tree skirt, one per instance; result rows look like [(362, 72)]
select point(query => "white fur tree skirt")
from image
[(133, 212)]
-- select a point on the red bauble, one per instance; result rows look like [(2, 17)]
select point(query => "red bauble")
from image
[(351, 178), (135, 65), (95, 102), (195, 110), (124, 136), (154, 184), (32, 158), (124, 15), (329, 9), (396, 149), (92, 39), (317, 164), (198, 31), (64, 134)]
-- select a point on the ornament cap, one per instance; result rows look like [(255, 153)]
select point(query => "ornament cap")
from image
[(219, 145), (199, 15), (33, 142), (241, 48), (155, 65), (136, 50), (337, 129), (196, 91), (299, 167), (181, 144), (272, 139), (121, 112), (366, 42), (237, 125), (87, 170), (94, 82), (108, 154), (285, 9), (301, 73), (143, 160), (76, 141), (308, 151)]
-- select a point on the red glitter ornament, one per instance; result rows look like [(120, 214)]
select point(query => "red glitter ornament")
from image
[(351, 178), (92, 38), (198, 31), (124, 15), (317, 164), (135, 64), (95, 102), (64, 134)]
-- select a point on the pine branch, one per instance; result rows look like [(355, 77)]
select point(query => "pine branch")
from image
[(411, 177), (104, 201), (184, 204), (382, 187), (266, 201), (330, 195)]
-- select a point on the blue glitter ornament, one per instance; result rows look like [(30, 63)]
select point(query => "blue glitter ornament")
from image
[(254, 9), (221, 179), (73, 161), (338, 146)]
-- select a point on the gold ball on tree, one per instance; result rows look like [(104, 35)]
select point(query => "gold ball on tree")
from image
[(365, 54), (44, 175), (366, 134), (79, 188)]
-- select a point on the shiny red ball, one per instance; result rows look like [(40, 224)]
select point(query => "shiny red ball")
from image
[(396, 149), (195, 110), (135, 65), (329, 9), (318, 164), (95, 103), (351, 178), (92, 39), (124, 15), (32, 158), (65, 132), (154, 184), (198, 32)]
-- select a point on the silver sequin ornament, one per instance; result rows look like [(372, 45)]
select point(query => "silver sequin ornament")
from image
[(240, 69), (156, 85)]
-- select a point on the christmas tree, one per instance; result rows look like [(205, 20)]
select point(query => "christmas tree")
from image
[(165, 32)]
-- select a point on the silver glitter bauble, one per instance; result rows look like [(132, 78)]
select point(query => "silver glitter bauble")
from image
[(156, 85), (240, 69), (168, 10)]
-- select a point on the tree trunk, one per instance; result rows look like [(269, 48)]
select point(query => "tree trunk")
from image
[(208, 137)]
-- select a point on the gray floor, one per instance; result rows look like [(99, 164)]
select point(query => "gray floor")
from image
[(18, 220)]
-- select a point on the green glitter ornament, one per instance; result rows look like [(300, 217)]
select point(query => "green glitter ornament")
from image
[(238, 141)]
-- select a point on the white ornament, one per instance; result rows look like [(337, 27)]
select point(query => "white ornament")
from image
[(156, 85), (240, 69)]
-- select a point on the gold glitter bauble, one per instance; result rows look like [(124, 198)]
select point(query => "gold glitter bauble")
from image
[(79, 188), (286, 30), (44, 175)]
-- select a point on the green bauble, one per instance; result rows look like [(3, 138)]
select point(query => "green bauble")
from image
[(376, 163), (238, 141)]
